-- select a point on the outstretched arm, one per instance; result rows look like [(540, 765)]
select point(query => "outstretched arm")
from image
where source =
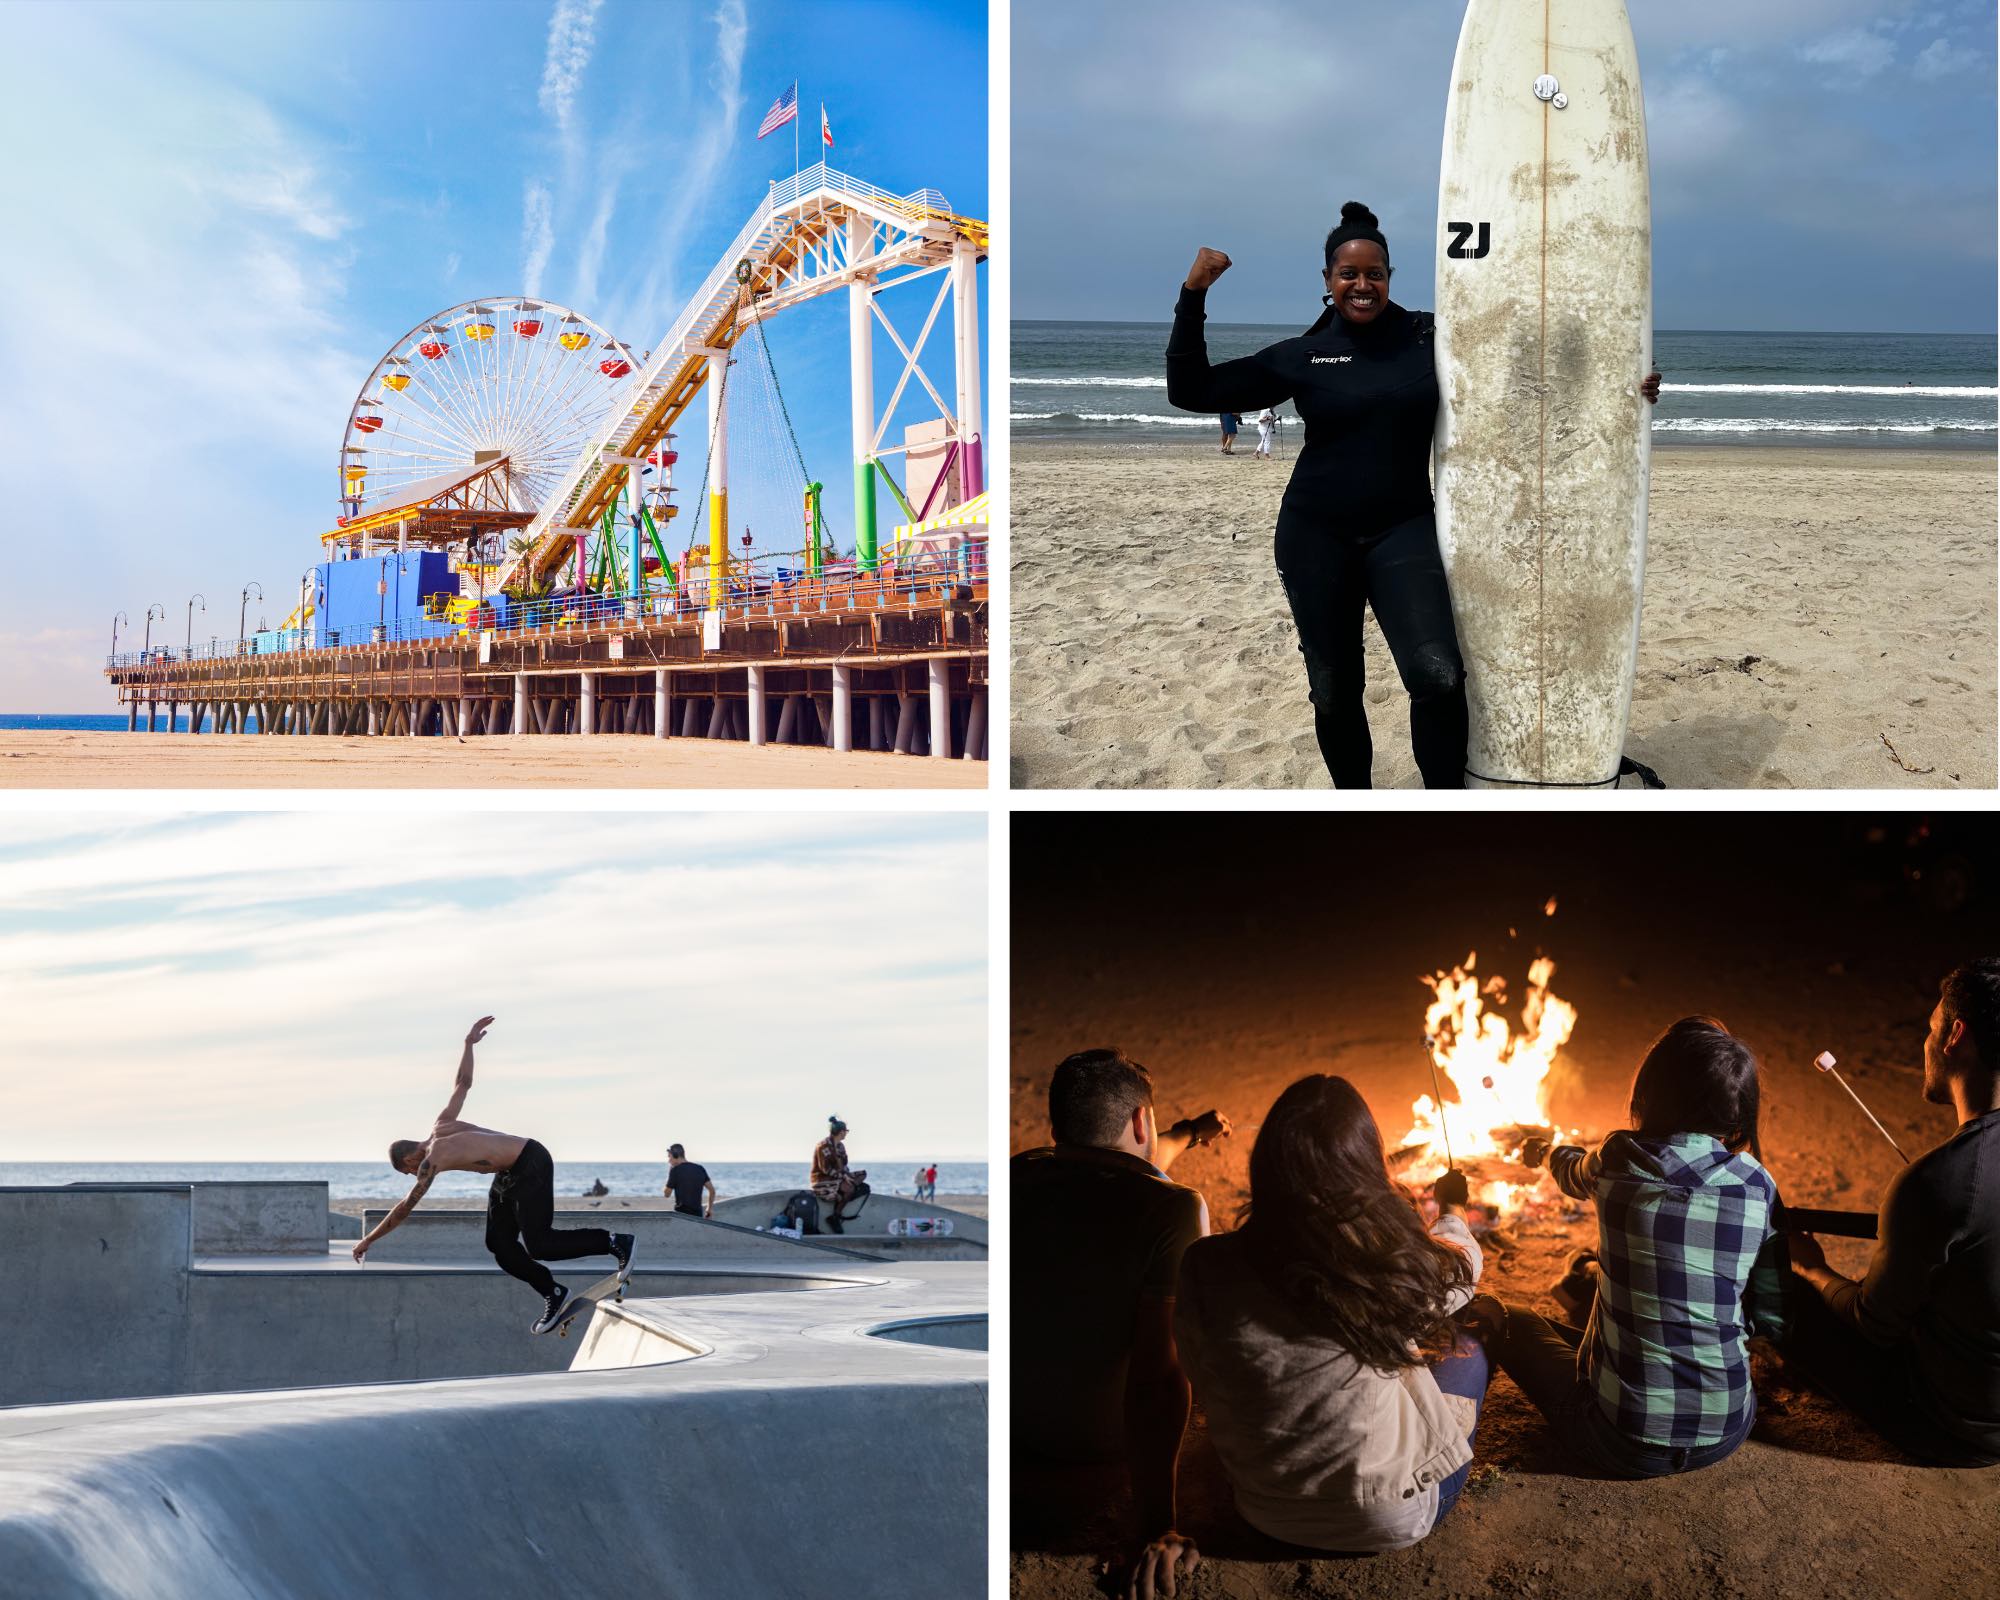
[(400, 1211), (456, 1103)]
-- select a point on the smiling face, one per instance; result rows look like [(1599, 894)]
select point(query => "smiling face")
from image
[(1358, 280)]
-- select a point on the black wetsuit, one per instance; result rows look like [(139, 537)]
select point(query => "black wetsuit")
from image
[(1356, 527)]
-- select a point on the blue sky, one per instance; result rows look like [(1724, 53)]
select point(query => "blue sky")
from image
[(1817, 164), (221, 215), (268, 987)]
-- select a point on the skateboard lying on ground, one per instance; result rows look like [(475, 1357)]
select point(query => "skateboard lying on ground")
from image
[(920, 1227), (612, 1288)]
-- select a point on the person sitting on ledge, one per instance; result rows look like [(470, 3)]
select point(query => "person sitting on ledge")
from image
[(1340, 1397), (1914, 1347), (1099, 1231), (520, 1207), (834, 1184)]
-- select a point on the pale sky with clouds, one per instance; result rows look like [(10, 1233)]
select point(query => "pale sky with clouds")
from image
[(221, 215), (296, 986), (1817, 164)]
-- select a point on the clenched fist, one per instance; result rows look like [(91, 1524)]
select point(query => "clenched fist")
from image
[(1208, 266)]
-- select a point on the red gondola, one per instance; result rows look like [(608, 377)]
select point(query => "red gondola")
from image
[(527, 328), (431, 349), (367, 424), (615, 369), (663, 458)]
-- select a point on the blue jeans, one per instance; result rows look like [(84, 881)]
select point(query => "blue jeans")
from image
[(1464, 1373), (1540, 1356)]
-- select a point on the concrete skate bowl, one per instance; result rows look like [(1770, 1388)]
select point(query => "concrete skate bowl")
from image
[(704, 1475), (949, 1333)]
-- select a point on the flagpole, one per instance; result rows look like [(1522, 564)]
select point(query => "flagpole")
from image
[(795, 137)]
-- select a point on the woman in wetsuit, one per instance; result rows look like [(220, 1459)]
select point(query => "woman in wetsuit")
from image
[(1356, 527)]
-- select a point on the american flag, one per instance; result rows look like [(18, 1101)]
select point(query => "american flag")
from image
[(782, 111)]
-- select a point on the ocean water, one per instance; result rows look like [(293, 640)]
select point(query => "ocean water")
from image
[(84, 721), (359, 1180), (1106, 381)]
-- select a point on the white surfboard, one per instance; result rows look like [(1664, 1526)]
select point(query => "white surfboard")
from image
[(1544, 331)]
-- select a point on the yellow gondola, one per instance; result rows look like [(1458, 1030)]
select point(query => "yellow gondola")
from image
[(573, 341), (479, 330), (396, 380)]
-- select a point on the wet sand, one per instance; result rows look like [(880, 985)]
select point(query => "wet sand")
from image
[(51, 760), (1813, 619)]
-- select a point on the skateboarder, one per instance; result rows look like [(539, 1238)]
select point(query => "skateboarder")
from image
[(520, 1209)]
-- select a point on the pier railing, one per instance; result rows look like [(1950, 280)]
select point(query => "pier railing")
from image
[(774, 587)]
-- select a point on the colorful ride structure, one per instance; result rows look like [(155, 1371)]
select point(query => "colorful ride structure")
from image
[(502, 558)]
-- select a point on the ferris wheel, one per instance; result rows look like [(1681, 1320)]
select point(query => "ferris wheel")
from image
[(524, 380)]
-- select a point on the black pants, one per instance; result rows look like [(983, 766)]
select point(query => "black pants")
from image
[(1878, 1385), (1329, 580), (521, 1210), (834, 1213)]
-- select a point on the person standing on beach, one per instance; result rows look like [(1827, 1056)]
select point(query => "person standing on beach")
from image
[(1099, 1231), (1356, 530), (834, 1184), (688, 1183), (1267, 424), (1230, 423), (520, 1207)]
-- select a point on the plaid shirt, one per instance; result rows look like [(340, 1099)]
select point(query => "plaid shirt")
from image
[(1679, 1222)]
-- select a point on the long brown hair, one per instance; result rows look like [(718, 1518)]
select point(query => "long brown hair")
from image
[(1338, 1238)]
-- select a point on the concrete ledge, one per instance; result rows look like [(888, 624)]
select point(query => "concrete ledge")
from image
[(663, 1237), (260, 1219), (751, 1210)]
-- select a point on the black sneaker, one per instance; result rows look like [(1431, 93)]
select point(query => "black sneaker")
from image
[(555, 1300), (621, 1252)]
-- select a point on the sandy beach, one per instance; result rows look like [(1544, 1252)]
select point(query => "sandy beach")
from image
[(38, 760), (1813, 619)]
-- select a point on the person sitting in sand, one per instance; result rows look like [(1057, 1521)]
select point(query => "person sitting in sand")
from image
[(834, 1184), (1340, 1396), (1356, 530), (1914, 1347), (1099, 1231), (1658, 1381), (520, 1207)]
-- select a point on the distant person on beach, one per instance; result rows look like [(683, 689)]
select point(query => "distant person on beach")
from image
[(687, 1182), (1339, 1395), (930, 1183), (1230, 423), (1356, 530), (520, 1207), (1914, 1347), (1657, 1382), (597, 1189), (1267, 424), (834, 1184), (1099, 1231)]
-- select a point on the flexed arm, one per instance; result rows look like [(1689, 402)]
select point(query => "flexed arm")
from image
[(456, 1103), (400, 1211), (1246, 384)]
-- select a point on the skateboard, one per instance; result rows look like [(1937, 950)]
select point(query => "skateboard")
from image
[(611, 1288), (920, 1227)]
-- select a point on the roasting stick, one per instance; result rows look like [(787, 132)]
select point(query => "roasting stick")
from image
[(1824, 1061), (1437, 1090)]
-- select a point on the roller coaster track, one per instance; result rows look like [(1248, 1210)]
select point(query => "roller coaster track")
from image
[(796, 246)]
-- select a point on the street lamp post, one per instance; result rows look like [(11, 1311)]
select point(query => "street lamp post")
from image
[(243, 610), (145, 655), (193, 601), (121, 617)]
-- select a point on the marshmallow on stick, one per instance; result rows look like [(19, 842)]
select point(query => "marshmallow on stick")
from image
[(1825, 1062)]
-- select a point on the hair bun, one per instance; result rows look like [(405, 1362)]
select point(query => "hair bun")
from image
[(1355, 215)]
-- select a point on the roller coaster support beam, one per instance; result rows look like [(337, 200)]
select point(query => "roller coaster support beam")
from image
[(861, 365), (717, 384), (965, 326)]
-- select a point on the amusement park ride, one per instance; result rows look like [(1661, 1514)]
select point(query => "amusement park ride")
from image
[(502, 559)]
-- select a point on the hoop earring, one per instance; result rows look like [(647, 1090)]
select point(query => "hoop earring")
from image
[(1326, 300)]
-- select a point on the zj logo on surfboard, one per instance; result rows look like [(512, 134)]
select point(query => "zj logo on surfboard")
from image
[(1462, 231)]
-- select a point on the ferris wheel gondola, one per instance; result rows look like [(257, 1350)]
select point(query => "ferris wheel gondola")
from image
[(509, 380)]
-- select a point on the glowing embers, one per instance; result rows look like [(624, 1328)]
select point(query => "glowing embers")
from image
[(1501, 1077)]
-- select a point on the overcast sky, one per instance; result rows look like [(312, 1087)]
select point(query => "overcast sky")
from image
[(1817, 164), (297, 987), (223, 213)]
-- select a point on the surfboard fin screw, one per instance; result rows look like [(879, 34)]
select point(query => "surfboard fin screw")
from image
[(1546, 87)]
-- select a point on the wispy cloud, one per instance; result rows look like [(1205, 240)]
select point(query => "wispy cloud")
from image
[(572, 37), (537, 234), (1941, 58), (1852, 57)]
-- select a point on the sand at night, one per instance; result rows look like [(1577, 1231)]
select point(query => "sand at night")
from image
[(1233, 954)]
